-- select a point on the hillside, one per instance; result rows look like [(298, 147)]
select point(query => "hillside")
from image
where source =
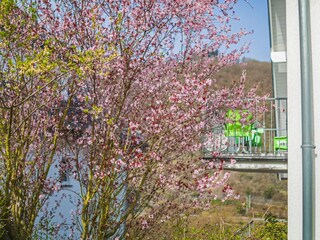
[(258, 74)]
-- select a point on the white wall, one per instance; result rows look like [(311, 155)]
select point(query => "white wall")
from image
[(294, 123), (67, 200), (294, 115)]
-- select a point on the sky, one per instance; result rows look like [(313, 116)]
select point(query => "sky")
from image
[(254, 16)]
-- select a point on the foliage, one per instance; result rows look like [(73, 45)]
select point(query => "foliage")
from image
[(180, 228), (271, 230), (30, 72), (215, 232), (110, 93), (241, 209), (268, 193)]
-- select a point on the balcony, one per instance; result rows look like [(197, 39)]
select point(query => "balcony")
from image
[(257, 143)]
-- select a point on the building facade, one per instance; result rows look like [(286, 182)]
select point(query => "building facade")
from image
[(288, 41)]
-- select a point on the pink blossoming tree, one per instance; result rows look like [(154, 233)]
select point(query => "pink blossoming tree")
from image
[(122, 91)]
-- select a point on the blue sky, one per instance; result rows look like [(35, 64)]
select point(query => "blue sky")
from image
[(255, 17)]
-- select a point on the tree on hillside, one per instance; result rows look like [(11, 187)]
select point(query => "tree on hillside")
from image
[(121, 91)]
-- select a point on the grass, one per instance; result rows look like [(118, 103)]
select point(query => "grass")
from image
[(224, 218)]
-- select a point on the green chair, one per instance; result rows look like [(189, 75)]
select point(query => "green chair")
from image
[(235, 127), (256, 137), (280, 143), (238, 128)]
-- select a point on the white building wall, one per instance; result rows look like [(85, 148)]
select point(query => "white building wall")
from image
[(294, 123), (63, 204), (277, 19), (294, 116)]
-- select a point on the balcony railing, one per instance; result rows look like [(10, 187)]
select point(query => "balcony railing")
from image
[(265, 133)]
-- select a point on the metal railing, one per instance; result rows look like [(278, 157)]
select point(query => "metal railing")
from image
[(266, 133)]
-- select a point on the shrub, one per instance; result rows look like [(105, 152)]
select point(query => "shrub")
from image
[(269, 192), (272, 229)]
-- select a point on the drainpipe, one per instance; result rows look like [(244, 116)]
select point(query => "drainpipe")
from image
[(307, 121)]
